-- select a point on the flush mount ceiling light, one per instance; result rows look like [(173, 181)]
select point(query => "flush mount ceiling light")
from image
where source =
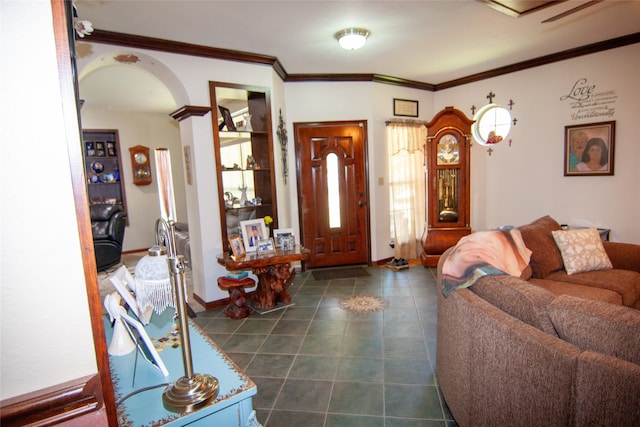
[(352, 38)]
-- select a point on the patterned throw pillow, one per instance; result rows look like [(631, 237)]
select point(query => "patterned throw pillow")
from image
[(581, 250)]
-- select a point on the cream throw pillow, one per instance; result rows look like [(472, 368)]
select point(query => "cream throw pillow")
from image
[(581, 250)]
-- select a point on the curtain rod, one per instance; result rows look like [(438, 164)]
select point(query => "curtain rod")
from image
[(407, 122)]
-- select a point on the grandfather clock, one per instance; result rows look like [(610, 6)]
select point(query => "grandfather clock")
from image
[(447, 157)]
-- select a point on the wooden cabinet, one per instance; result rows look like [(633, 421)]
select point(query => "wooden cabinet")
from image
[(103, 167), (243, 146), (447, 157)]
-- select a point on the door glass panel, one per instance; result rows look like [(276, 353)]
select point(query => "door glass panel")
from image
[(333, 190)]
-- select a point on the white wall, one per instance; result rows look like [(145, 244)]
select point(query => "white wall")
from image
[(46, 329), (512, 186), (328, 101), (518, 184), (46, 335), (150, 130), (191, 87)]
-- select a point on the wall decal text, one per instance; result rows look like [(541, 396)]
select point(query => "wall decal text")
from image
[(587, 103)]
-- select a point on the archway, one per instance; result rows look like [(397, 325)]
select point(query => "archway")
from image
[(135, 93)]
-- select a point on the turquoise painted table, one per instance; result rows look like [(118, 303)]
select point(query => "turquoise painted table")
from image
[(139, 385)]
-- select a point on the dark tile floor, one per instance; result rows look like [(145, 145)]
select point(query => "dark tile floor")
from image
[(317, 365)]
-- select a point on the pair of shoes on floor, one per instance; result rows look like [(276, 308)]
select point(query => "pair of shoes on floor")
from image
[(398, 262)]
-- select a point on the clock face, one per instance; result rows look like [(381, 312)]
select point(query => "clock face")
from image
[(448, 150), (140, 158)]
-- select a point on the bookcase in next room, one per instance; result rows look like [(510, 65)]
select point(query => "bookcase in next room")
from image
[(103, 167)]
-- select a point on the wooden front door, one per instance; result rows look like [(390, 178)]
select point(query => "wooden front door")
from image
[(332, 192)]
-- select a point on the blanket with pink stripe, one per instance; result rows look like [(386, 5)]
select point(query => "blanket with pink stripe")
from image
[(496, 252)]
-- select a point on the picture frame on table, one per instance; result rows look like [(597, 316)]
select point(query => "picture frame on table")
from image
[(589, 149), (253, 230), (124, 283), (227, 119), (144, 344), (237, 247), (266, 246), (279, 233), (286, 243)]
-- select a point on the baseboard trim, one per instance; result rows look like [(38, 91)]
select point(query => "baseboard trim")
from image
[(54, 405), (211, 305)]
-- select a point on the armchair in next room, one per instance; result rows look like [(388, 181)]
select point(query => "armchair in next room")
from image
[(107, 224)]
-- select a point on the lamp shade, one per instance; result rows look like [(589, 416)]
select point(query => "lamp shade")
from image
[(352, 38), (152, 282)]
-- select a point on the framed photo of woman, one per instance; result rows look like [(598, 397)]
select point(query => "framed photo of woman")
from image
[(588, 149)]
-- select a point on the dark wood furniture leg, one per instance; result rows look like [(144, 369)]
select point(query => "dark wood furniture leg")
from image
[(274, 280)]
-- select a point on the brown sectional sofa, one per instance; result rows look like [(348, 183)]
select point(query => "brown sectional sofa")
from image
[(620, 285), (549, 350)]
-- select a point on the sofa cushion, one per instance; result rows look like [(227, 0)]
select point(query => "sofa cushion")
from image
[(580, 291), (598, 326), (607, 391), (520, 375), (624, 282), (546, 257), (581, 250), (517, 298)]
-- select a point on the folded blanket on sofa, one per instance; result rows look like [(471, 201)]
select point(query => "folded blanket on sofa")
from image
[(498, 252)]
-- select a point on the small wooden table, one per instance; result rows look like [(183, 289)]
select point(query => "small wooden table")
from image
[(237, 308), (273, 270)]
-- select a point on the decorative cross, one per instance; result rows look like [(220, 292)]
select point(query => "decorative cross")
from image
[(490, 97), (473, 110), (511, 104), (282, 136), (515, 121), (490, 150)]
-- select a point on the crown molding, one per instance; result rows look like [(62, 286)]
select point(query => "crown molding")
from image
[(170, 46), (543, 60), (162, 45), (189, 111)]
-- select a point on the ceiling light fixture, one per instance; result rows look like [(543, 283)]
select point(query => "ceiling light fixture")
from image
[(352, 38)]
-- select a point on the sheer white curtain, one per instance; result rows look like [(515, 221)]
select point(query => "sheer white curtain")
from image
[(405, 151)]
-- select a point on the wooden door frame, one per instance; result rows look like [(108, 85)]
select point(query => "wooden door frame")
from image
[(90, 399), (365, 146)]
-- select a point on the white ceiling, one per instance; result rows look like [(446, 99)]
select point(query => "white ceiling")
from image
[(429, 41)]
